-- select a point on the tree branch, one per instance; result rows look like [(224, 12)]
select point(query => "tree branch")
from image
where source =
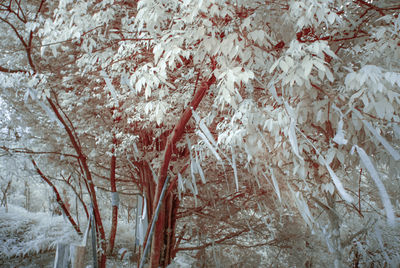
[(7, 70), (219, 241), (58, 198)]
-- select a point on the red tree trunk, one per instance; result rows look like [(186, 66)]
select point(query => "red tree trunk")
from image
[(159, 244), (114, 221)]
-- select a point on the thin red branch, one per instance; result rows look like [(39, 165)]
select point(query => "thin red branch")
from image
[(89, 181), (28, 151), (177, 134), (219, 241), (58, 198), (363, 3), (7, 70)]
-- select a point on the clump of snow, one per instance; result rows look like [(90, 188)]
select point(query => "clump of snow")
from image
[(23, 232), (182, 262)]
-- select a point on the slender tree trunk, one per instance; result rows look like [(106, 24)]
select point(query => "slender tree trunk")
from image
[(147, 185), (159, 244), (115, 200), (335, 230), (89, 180), (167, 218), (172, 207)]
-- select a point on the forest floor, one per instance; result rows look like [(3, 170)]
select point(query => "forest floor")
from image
[(29, 239), (39, 260), (46, 260)]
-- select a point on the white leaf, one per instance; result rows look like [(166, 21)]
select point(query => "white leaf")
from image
[(147, 92), (139, 84), (272, 89), (284, 66), (329, 75), (307, 65), (289, 61), (159, 113), (274, 184), (292, 130), (331, 17), (339, 137), (380, 108), (338, 184), (235, 169), (203, 127), (293, 137), (328, 187), (319, 65), (393, 152), (396, 129), (302, 207), (382, 191), (194, 186), (200, 170), (42, 50), (180, 182), (212, 149), (193, 167), (158, 50), (273, 66), (109, 84)]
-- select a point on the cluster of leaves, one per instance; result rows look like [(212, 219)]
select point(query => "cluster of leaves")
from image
[(305, 107)]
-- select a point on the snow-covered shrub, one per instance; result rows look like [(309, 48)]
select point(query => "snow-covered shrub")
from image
[(23, 232)]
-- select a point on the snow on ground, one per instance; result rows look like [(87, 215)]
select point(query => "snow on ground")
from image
[(29, 239), (25, 233)]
